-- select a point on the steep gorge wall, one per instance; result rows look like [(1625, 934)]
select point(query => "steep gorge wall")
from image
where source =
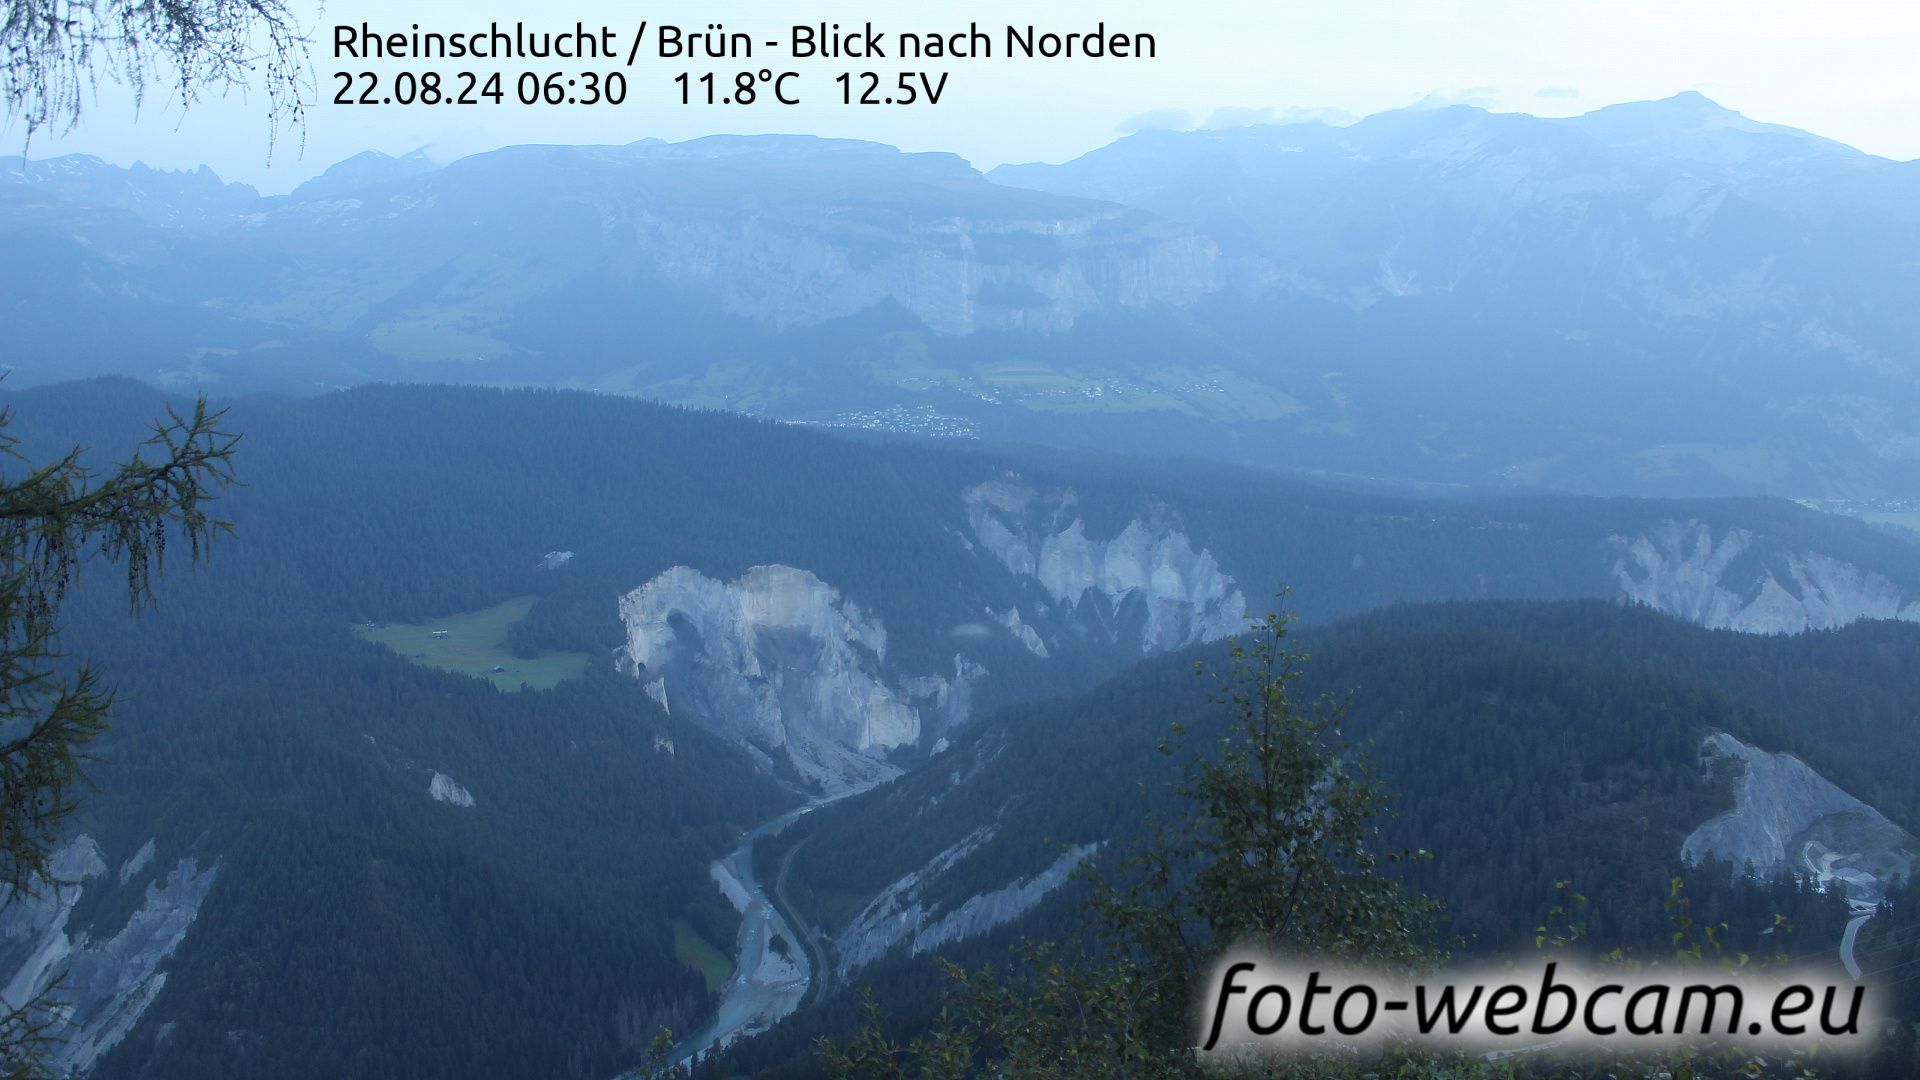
[(104, 984), (1182, 597), (1788, 819), (1731, 581), (779, 661)]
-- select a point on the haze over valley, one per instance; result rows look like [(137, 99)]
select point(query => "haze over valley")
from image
[(1655, 298), (674, 586)]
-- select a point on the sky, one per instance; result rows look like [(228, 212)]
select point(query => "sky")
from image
[(1841, 68)]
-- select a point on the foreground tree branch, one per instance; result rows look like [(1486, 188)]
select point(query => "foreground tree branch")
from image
[(55, 54), (51, 521)]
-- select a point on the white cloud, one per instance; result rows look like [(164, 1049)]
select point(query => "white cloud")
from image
[(1156, 120), (1233, 116)]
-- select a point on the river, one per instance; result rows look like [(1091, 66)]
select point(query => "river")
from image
[(768, 981)]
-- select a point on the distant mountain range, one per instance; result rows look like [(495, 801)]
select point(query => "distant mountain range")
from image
[(1656, 298)]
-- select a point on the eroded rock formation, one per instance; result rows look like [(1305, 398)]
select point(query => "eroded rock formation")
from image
[(779, 660), (105, 983), (1727, 582), (1147, 583), (1787, 818)]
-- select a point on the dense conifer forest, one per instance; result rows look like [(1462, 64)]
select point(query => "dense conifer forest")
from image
[(1526, 743), (1536, 751)]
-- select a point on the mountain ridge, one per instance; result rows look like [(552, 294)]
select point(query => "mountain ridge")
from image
[(1659, 298)]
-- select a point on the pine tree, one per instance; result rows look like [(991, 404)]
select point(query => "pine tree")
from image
[(54, 54), (1273, 850), (53, 520)]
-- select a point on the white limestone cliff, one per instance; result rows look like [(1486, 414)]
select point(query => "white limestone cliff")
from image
[(1787, 818), (777, 659), (137, 862), (1149, 572), (901, 916), (1024, 634), (794, 263), (1724, 583), (446, 789), (982, 912), (105, 983)]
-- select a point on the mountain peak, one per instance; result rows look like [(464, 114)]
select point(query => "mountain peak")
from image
[(1688, 110), (1689, 126), (1692, 103), (365, 169), (783, 151)]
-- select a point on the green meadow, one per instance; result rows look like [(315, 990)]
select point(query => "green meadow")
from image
[(475, 643), (699, 954)]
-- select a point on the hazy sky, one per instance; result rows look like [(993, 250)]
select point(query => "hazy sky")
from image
[(1846, 69)]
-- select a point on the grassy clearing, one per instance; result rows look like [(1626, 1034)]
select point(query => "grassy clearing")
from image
[(1026, 377), (475, 644), (1754, 463), (424, 338), (699, 954)]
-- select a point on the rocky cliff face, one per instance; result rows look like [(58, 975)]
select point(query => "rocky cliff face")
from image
[(1146, 585), (786, 231), (902, 916), (955, 273), (779, 661), (104, 983), (1727, 582), (158, 197), (1787, 818), (1501, 195), (444, 788)]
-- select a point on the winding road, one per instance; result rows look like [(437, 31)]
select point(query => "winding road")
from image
[(823, 983), (1862, 911)]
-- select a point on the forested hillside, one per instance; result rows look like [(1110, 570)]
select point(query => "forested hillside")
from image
[(518, 878), (1535, 750), (1525, 744)]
